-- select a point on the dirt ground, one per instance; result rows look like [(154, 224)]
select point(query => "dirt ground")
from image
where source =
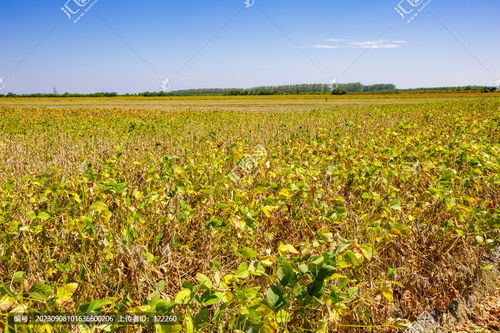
[(485, 317), (478, 311)]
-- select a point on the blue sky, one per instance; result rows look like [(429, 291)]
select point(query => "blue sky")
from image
[(132, 46)]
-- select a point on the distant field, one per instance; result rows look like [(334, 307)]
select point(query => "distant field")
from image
[(250, 103), (258, 214)]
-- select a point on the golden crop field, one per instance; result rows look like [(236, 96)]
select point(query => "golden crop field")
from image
[(246, 214)]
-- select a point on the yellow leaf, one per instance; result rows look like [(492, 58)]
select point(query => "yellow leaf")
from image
[(267, 261), (322, 326), (227, 297), (140, 309), (182, 296), (268, 209), (163, 328), (138, 194), (388, 294), (6, 303), (99, 206), (65, 292), (285, 193), (178, 170), (287, 248), (188, 324)]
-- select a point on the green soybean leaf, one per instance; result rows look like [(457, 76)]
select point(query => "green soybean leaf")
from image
[(395, 204), (242, 272), (40, 291), (275, 297), (248, 253), (93, 306)]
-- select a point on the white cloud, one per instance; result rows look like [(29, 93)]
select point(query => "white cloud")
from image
[(334, 40), (381, 46), (324, 46), (372, 44), (365, 43)]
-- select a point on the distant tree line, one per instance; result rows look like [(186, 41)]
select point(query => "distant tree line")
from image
[(481, 89), (317, 88), (99, 94)]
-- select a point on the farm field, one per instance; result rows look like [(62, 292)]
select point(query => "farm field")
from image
[(252, 214), (249, 103)]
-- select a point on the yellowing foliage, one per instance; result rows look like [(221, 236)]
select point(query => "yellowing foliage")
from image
[(346, 216)]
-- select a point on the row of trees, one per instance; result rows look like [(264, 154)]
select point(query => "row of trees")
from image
[(482, 89), (99, 94), (315, 88), (336, 89)]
